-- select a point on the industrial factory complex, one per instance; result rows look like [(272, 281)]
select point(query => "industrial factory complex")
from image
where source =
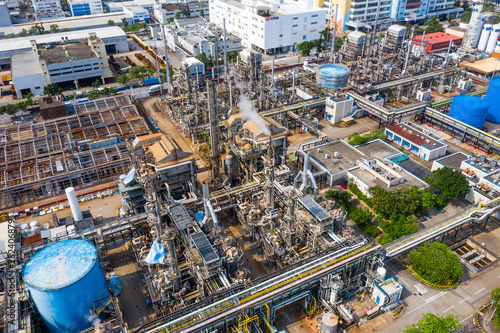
[(224, 173)]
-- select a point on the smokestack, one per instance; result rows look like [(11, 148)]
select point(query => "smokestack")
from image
[(73, 204), (205, 190)]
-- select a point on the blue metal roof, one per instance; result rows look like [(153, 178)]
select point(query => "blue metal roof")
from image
[(316, 210), (60, 264)]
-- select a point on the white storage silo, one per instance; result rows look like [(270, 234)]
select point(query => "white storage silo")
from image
[(73, 204), (474, 27), (497, 48), (493, 40), (485, 35)]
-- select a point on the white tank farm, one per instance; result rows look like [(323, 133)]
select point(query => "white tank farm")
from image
[(493, 40)]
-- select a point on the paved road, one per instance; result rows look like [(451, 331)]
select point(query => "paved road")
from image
[(462, 301)]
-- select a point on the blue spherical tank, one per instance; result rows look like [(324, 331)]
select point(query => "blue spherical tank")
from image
[(332, 76), (471, 110), (66, 281), (493, 97)]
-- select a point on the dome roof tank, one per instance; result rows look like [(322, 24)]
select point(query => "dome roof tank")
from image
[(471, 110), (332, 76), (493, 97), (66, 281)]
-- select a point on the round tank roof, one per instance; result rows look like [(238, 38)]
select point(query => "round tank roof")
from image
[(60, 264), (333, 70)]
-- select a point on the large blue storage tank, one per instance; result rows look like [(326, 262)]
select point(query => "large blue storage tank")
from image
[(66, 280), (493, 97), (332, 76), (471, 110)]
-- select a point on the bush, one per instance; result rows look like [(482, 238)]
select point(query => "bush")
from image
[(436, 263), (448, 183), (385, 239), (355, 139)]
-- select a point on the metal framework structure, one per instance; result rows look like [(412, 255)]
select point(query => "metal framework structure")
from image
[(39, 160)]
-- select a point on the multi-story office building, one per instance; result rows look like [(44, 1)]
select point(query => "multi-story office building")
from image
[(163, 12), (270, 26), (47, 9), (85, 7), (359, 14)]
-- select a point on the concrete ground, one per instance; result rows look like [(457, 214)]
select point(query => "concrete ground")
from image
[(360, 126), (106, 207), (132, 299), (293, 319)]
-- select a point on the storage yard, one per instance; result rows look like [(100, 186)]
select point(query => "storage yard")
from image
[(206, 206)]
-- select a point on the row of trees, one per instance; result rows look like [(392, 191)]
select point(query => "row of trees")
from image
[(361, 217), (96, 93), (397, 209), (38, 28), (11, 109)]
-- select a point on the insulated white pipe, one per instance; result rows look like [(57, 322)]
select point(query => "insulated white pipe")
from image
[(73, 204)]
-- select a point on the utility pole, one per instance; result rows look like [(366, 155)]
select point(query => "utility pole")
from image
[(167, 65)]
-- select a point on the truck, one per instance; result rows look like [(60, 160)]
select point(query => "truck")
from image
[(149, 81), (155, 87)]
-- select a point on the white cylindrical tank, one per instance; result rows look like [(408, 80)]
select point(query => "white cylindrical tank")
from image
[(70, 229), (73, 204), (485, 35), (329, 323), (493, 40), (381, 271)]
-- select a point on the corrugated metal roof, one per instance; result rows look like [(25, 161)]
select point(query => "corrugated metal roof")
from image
[(204, 247)]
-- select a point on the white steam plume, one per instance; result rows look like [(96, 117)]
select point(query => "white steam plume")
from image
[(249, 112)]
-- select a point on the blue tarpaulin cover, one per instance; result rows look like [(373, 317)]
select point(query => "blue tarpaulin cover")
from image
[(115, 284), (156, 255), (199, 216)]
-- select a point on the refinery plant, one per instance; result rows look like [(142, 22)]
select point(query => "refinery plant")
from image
[(224, 199)]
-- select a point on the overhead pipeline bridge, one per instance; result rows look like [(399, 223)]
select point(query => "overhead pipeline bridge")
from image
[(475, 214), (413, 79), (265, 294)]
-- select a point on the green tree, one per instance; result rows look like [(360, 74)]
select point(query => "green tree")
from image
[(436, 263), (170, 20), (449, 183), (96, 83), (124, 22), (52, 89), (123, 79), (54, 28), (111, 23), (431, 323), (207, 61), (11, 35), (202, 13), (465, 18), (434, 26), (177, 15), (29, 98), (465, 4), (33, 29), (23, 33), (305, 47), (65, 30)]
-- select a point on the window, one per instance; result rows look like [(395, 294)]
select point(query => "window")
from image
[(37, 87), (281, 35), (315, 15), (314, 23), (304, 37), (295, 18), (294, 26)]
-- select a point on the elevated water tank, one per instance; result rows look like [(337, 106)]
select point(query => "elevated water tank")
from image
[(492, 41), (471, 110), (332, 76), (485, 35), (66, 281), (493, 97)]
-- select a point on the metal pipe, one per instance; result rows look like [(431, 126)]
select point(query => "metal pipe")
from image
[(332, 52), (167, 65), (272, 72)]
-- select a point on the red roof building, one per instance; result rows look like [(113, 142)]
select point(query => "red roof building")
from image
[(437, 41)]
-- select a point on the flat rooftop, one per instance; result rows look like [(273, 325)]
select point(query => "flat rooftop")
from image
[(347, 159), (410, 180), (485, 66), (24, 64), (66, 52), (377, 148), (453, 161)]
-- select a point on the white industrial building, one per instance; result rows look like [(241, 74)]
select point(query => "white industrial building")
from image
[(27, 74), (65, 62), (47, 9), (114, 38), (196, 36), (422, 143), (270, 27), (114, 7), (4, 15), (70, 23), (137, 13), (163, 12), (85, 7)]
